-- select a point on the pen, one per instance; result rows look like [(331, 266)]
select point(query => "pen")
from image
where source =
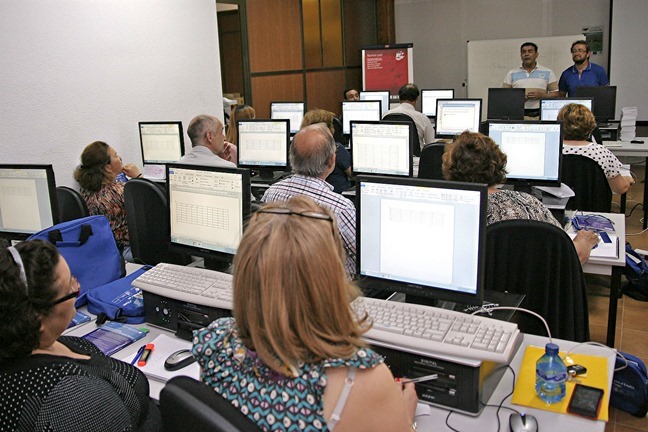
[(139, 353), (146, 354), (419, 379)]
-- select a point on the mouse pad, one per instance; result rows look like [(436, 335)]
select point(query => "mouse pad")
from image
[(596, 376)]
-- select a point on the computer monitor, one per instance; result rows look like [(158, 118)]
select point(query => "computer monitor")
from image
[(263, 146), (161, 143), (457, 115), (207, 208), (549, 108), (381, 147), (359, 111), (533, 151), (381, 95), (429, 100), (27, 200), (293, 111), (604, 104), (420, 237), (506, 103)]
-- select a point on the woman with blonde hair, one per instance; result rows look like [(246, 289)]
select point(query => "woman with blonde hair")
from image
[(292, 358)]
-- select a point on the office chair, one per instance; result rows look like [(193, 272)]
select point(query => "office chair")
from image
[(431, 161), (539, 260), (338, 134), (147, 217), (71, 204), (188, 405), (414, 139), (588, 181)]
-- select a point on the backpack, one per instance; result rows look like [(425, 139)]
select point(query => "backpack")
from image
[(636, 271), (118, 300), (630, 386)]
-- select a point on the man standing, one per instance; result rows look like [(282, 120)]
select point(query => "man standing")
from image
[(208, 143), (582, 73), (408, 95), (539, 81), (312, 157)]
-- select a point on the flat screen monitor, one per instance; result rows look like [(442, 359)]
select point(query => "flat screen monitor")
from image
[(27, 200), (380, 95), (422, 237), (161, 142), (429, 100), (604, 104), (359, 111), (533, 151), (506, 103), (263, 145), (207, 207), (293, 111), (381, 148), (457, 115), (549, 108)]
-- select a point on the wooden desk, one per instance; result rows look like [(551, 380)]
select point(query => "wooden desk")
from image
[(638, 150)]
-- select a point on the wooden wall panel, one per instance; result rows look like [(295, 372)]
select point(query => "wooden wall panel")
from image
[(331, 33), (229, 41), (359, 29), (276, 88), (275, 37), (324, 90)]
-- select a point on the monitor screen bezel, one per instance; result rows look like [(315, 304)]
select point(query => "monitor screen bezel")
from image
[(448, 135), (282, 167), (382, 92), (380, 113), (602, 112), (383, 122), (435, 105), (51, 190), (526, 182), (209, 255), (418, 290), (571, 98), (180, 129), (303, 106), (512, 94)]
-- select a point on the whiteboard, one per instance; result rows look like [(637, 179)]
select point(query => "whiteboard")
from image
[(490, 60)]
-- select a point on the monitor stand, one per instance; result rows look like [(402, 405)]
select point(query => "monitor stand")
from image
[(268, 176), (213, 263)]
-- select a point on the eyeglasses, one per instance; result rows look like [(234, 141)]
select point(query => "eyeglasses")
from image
[(287, 211), (73, 285)]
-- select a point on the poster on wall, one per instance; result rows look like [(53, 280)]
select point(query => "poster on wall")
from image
[(387, 67)]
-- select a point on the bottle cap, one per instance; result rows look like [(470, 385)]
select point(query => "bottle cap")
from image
[(551, 348)]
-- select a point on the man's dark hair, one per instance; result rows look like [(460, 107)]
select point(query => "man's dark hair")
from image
[(581, 42), (348, 90), (409, 92), (529, 44)]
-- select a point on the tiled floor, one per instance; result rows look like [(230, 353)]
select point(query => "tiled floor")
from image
[(632, 330)]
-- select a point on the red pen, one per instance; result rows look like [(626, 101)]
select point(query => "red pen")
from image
[(146, 354)]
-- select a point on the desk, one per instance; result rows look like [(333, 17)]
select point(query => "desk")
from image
[(638, 150)]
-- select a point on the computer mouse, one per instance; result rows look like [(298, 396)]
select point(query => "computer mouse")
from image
[(178, 360), (636, 141), (523, 423)]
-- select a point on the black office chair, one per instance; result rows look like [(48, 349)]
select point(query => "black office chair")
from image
[(188, 405), (413, 131), (338, 134), (431, 161), (587, 179), (539, 260), (147, 217), (71, 204)]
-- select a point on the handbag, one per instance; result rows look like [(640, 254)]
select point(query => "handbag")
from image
[(89, 248), (119, 300)]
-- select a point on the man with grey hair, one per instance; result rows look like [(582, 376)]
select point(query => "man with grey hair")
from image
[(312, 157), (208, 142)]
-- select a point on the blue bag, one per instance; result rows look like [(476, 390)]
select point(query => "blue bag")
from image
[(119, 300), (89, 247), (636, 271), (630, 386)]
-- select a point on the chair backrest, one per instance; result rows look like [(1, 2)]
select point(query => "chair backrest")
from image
[(431, 161), (147, 216), (539, 260), (413, 131), (587, 179), (71, 204), (188, 405)]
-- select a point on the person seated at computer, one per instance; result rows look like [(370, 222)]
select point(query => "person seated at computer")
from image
[(578, 124), (208, 143), (312, 158), (242, 112), (408, 95), (475, 158), (351, 94), (341, 174), (53, 382), (295, 343), (100, 166)]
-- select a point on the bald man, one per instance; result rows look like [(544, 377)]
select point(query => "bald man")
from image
[(208, 143)]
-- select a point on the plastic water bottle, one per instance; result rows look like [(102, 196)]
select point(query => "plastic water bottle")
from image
[(551, 375)]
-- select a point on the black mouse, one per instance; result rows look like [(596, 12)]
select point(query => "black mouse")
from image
[(523, 423), (178, 360)]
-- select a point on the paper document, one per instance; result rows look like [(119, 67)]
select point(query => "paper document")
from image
[(164, 347), (604, 249), (563, 191)]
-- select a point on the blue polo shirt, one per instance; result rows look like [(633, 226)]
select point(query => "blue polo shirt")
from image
[(593, 75)]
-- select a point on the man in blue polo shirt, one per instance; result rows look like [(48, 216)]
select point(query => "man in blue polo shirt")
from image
[(582, 73)]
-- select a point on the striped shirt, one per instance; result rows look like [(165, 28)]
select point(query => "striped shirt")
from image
[(540, 78)]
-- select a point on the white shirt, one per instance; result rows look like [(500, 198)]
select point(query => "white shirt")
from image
[(423, 124), (201, 155)]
